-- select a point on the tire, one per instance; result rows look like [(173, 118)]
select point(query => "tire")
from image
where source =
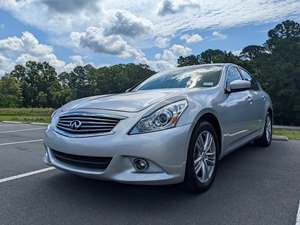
[(202, 162), (266, 139)]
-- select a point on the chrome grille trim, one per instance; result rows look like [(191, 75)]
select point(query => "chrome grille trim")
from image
[(89, 124)]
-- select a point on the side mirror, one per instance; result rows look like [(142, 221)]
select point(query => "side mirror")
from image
[(239, 85)]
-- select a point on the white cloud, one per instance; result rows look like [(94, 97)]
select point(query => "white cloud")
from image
[(176, 51), (94, 40), (19, 50), (194, 14), (124, 27), (55, 16), (160, 65), (237, 52), (11, 44), (168, 58), (225, 14), (162, 42), (218, 35), (191, 38), (26, 43), (76, 60), (173, 7), (5, 65), (69, 6), (173, 53), (127, 24)]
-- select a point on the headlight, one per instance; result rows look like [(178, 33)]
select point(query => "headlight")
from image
[(164, 118)]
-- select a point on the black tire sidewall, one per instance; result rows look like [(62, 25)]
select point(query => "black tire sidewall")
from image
[(265, 132), (263, 141), (191, 179)]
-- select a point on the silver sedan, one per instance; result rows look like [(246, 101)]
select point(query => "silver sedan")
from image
[(172, 128)]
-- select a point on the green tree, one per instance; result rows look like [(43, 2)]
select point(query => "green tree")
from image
[(10, 92), (252, 52), (86, 80), (189, 60), (287, 30), (279, 71), (79, 81), (38, 82)]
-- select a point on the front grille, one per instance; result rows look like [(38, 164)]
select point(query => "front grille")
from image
[(89, 162), (83, 124)]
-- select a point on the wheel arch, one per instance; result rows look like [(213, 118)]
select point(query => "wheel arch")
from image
[(211, 118)]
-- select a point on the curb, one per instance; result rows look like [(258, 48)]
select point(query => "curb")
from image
[(286, 127), (35, 123), (18, 122), (15, 122), (279, 138)]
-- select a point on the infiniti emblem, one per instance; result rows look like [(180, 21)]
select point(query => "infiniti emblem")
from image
[(75, 124)]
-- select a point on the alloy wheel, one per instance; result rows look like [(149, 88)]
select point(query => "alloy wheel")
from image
[(204, 156)]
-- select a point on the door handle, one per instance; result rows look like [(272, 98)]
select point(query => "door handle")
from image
[(250, 99)]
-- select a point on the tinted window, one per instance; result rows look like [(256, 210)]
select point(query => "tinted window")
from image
[(205, 76), (233, 74), (248, 77)]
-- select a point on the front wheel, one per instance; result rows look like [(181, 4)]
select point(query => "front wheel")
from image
[(266, 139), (202, 159)]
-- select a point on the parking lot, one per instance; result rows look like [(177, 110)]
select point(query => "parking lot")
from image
[(253, 186)]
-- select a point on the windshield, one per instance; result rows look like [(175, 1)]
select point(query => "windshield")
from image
[(205, 76)]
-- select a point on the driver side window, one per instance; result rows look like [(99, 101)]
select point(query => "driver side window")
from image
[(232, 74), (247, 77)]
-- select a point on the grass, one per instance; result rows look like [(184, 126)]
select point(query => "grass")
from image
[(42, 115), (27, 115), (291, 134)]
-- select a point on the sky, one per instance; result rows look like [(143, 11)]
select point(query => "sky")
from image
[(156, 32)]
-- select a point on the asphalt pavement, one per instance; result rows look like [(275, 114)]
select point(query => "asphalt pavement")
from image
[(257, 186)]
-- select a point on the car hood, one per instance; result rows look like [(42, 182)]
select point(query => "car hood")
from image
[(125, 102)]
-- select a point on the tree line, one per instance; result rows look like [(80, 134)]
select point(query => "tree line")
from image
[(275, 64), (37, 84)]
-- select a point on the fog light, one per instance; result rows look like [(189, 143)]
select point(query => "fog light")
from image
[(140, 164)]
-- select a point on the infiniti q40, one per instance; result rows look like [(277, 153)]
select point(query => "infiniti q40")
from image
[(172, 128)]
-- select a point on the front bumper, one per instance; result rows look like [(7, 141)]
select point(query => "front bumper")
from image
[(166, 152)]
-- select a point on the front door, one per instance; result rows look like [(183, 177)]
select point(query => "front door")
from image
[(258, 101), (236, 113)]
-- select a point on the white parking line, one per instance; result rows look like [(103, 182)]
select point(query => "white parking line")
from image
[(29, 129), (26, 174), (298, 215), (5, 124), (21, 142)]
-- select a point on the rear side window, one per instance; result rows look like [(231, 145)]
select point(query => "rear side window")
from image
[(233, 74)]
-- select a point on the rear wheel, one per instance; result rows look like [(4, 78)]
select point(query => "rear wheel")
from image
[(266, 139), (202, 159)]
